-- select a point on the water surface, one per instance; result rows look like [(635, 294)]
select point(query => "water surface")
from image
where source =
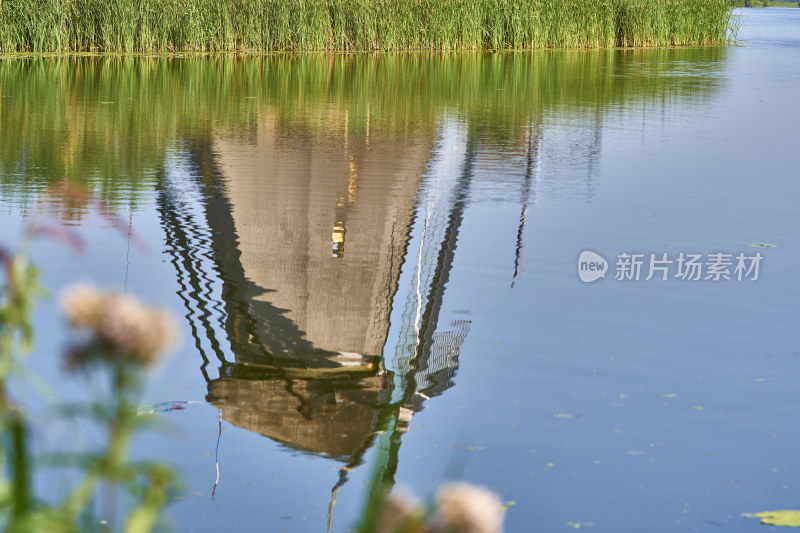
[(374, 259)]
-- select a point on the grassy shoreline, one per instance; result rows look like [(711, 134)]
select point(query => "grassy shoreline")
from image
[(356, 25)]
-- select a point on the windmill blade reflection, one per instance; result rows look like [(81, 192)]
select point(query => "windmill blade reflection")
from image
[(425, 357)]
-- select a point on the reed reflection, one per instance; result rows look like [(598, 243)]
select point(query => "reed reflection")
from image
[(107, 121)]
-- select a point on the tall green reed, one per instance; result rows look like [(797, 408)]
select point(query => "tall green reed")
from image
[(301, 25)]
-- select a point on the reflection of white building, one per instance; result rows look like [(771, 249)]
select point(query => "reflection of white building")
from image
[(424, 357), (306, 263), (320, 226), (288, 248), (302, 250)]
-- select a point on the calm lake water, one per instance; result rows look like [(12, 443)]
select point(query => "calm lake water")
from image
[(375, 262)]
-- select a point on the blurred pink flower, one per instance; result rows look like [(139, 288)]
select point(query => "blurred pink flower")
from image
[(402, 511), (465, 508), (132, 331)]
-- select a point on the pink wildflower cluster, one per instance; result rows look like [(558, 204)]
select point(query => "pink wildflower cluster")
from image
[(458, 508), (122, 329)]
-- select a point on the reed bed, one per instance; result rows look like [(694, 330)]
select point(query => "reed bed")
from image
[(356, 25)]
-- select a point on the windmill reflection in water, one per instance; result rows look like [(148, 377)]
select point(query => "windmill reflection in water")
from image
[(326, 349)]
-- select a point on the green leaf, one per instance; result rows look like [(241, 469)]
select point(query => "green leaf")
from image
[(778, 518)]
